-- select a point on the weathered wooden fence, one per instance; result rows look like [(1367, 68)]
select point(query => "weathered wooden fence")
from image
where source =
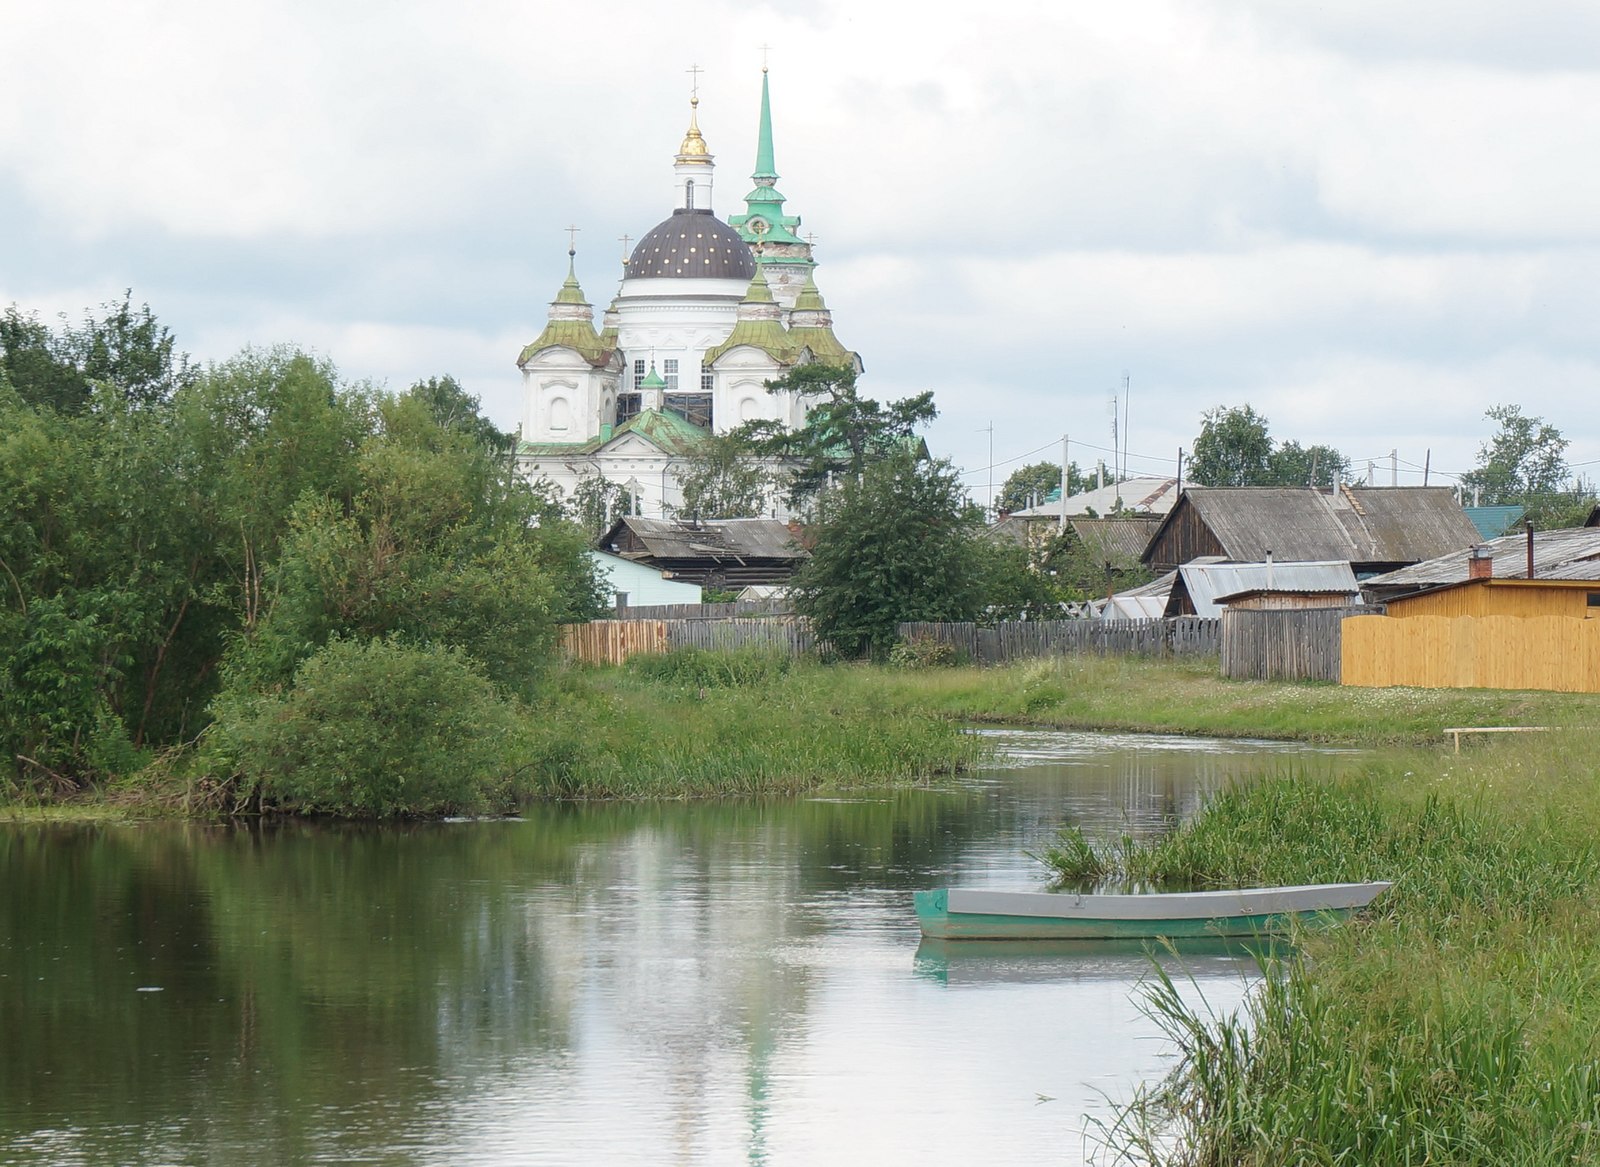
[(1023, 639), (1300, 644), (738, 609), (614, 641)]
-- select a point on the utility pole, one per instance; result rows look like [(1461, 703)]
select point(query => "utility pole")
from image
[(1062, 524), (1427, 460), (990, 432), (1394, 467)]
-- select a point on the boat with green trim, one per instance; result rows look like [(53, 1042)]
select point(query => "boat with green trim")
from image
[(975, 914)]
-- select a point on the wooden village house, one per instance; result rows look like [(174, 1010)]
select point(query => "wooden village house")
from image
[(1374, 529), (718, 553)]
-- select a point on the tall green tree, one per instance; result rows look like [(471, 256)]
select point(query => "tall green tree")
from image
[(725, 478), (1234, 448), (902, 543), (124, 347), (844, 431), (1031, 484), (1524, 464)]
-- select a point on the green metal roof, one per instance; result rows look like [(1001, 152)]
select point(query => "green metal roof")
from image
[(652, 379), (666, 431), (767, 335), (573, 334)]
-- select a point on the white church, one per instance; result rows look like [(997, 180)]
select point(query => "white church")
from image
[(708, 311)]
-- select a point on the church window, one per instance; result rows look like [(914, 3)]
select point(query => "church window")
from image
[(669, 373), (688, 194), (628, 405), (705, 379), (694, 408), (638, 374), (560, 414)]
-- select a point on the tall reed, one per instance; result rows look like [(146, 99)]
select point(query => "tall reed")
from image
[(1454, 1025)]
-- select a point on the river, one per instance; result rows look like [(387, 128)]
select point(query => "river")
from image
[(692, 983)]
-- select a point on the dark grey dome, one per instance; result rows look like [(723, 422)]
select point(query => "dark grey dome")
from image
[(692, 245)]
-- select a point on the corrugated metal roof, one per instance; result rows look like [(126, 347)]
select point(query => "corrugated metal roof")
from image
[(1370, 525), (714, 539), (1207, 582), (1492, 522), (1573, 553)]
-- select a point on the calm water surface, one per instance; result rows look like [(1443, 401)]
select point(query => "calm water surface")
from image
[(698, 984)]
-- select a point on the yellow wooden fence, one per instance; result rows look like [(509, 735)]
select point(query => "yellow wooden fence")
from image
[(1485, 652)]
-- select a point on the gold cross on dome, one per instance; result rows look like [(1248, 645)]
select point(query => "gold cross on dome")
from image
[(624, 239), (572, 238), (694, 72)]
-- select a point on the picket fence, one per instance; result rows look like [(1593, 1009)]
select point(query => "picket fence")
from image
[(614, 641), (737, 609), (1025, 639)]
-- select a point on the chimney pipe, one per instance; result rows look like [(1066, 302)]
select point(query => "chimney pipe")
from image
[(1530, 548), (1269, 567), (1480, 563)]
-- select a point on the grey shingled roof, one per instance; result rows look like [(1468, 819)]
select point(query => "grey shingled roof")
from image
[(1371, 525), (710, 539)]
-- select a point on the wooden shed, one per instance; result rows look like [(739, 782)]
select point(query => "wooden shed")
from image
[(1481, 633)]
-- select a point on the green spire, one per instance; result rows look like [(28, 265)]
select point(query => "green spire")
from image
[(764, 221), (570, 292), (764, 164), (652, 379)]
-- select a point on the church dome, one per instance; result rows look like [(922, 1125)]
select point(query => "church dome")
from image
[(692, 244)]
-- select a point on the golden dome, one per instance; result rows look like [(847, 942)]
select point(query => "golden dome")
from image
[(693, 148)]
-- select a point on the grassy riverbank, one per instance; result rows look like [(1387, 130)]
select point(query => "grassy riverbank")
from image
[(703, 724), (1455, 1024), (1157, 696)]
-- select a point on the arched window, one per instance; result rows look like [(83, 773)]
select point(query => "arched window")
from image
[(688, 194)]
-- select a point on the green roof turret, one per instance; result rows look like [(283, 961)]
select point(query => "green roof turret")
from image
[(652, 379), (571, 324)]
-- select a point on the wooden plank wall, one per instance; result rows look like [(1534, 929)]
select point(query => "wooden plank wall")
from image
[(1489, 652), (792, 636), (737, 609), (610, 642), (1023, 640), (1283, 644)]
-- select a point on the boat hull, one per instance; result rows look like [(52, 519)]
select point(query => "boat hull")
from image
[(955, 914)]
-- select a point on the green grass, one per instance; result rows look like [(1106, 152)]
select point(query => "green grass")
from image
[(702, 726), (1455, 1024), (1163, 696)]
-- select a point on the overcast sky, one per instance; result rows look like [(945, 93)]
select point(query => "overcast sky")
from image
[(1369, 219)]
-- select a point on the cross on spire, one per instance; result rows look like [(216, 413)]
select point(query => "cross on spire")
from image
[(624, 239), (572, 239), (765, 49), (694, 72), (811, 238)]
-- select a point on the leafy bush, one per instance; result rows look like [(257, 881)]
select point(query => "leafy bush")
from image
[(922, 652), (377, 728)]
